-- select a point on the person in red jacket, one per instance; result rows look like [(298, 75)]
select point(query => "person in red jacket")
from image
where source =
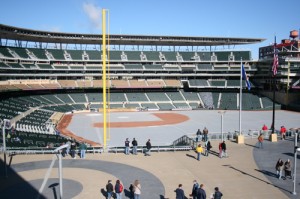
[(264, 128), (282, 132)]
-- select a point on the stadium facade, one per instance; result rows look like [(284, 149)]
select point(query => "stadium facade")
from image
[(44, 74)]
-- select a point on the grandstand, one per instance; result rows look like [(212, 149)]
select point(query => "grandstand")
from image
[(43, 74)]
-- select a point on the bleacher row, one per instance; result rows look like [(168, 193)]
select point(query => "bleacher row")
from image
[(50, 103), (44, 84), (168, 67), (20, 139), (85, 55)]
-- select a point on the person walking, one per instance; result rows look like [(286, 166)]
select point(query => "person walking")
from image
[(217, 194), (282, 132), (109, 189), (279, 168), (179, 192), (201, 194), (260, 141), (199, 150), (207, 147), (224, 150), (220, 150), (148, 148), (127, 146), (195, 189), (137, 189), (134, 146)]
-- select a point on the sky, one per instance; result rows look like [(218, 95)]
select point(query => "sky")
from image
[(220, 18)]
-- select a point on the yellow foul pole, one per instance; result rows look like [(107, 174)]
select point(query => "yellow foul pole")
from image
[(104, 74)]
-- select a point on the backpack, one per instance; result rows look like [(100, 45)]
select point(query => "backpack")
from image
[(120, 188)]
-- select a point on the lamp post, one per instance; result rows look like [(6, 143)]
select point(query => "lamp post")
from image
[(295, 163), (222, 114), (5, 124)]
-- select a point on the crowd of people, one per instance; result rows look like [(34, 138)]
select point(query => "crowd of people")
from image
[(72, 147), (198, 192), (205, 149), (134, 145), (116, 191)]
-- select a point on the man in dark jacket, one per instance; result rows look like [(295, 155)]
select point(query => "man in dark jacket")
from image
[(224, 148), (201, 194), (217, 194), (109, 189), (134, 146), (148, 147), (195, 189), (179, 192)]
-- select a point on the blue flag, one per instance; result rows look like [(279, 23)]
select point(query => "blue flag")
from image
[(246, 78)]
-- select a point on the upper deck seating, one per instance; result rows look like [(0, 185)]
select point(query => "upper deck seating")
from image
[(94, 54), (4, 52), (133, 55), (188, 56), (170, 56), (57, 54), (152, 55), (39, 53), (76, 54)]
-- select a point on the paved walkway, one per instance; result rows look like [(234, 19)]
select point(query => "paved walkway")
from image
[(247, 173)]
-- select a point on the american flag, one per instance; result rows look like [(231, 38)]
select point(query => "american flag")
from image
[(275, 61)]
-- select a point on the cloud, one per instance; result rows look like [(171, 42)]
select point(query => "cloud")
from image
[(94, 14)]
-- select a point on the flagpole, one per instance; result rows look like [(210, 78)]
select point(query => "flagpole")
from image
[(240, 112), (274, 85)]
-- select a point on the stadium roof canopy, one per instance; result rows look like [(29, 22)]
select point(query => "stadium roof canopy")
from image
[(22, 34)]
